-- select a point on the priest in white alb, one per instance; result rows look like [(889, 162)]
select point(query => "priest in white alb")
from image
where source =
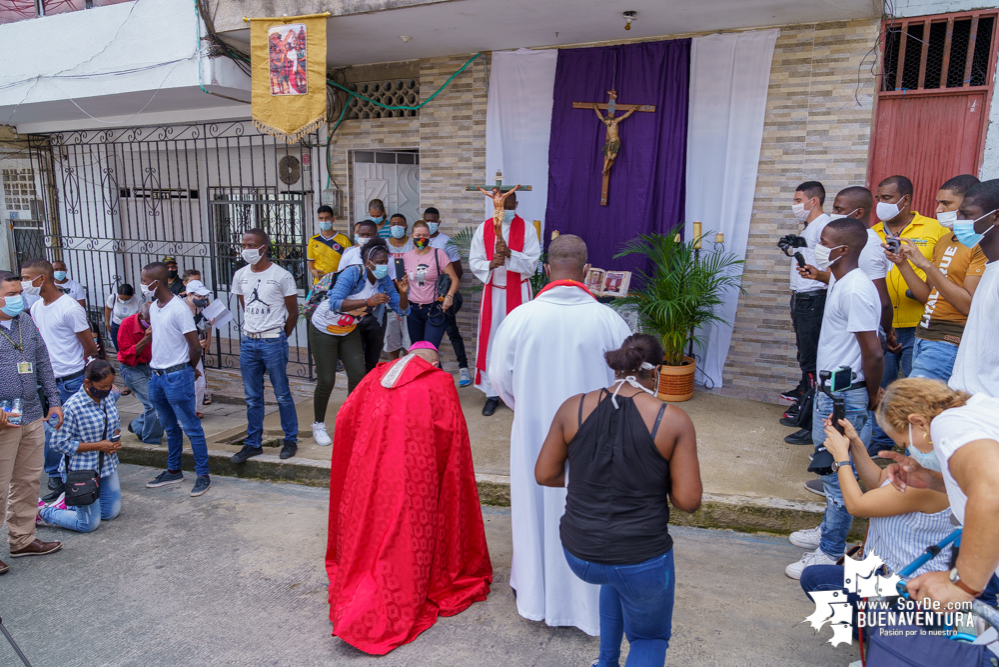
[(505, 266), (544, 352)]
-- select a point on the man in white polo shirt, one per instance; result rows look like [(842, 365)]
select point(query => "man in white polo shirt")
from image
[(66, 332), (269, 298), (176, 353)]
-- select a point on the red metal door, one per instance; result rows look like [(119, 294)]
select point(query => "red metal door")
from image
[(932, 114), (929, 139)]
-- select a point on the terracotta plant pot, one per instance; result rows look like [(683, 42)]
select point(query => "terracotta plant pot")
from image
[(676, 383)]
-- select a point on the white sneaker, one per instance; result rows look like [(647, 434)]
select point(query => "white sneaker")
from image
[(320, 435), (807, 538), (464, 379), (817, 557)]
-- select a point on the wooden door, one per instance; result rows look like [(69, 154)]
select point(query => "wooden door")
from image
[(932, 112)]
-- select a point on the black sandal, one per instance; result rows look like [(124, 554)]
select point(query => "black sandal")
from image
[(207, 400)]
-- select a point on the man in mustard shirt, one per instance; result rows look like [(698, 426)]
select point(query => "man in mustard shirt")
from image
[(326, 247), (898, 220)]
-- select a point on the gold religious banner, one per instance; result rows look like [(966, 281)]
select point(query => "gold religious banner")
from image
[(288, 61)]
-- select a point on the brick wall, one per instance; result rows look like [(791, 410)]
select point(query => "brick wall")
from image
[(814, 130), (451, 135)]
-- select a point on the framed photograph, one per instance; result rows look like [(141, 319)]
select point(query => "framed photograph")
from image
[(616, 283)]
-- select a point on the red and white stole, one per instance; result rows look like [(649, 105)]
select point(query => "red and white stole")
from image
[(514, 297)]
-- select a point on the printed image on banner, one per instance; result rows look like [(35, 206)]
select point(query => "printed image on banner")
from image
[(288, 64)]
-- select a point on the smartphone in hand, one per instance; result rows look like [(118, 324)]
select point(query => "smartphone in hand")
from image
[(400, 268)]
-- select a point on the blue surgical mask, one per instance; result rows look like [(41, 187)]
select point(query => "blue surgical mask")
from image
[(508, 216), (964, 230), (432, 226), (59, 275), (398, 231), (380, 271), (928, 461), (13, 305), (325, 225), (374, 219)]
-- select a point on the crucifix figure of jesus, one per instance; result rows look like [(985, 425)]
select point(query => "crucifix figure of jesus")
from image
[(498, 192), (612, 143)]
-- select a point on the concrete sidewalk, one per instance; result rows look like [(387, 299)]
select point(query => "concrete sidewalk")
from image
[(752, 479), (236, 578)]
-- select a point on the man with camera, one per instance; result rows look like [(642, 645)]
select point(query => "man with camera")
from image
[(849, 351), (808, 297)]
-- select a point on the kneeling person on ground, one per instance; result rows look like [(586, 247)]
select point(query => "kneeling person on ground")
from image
[(89, 440)]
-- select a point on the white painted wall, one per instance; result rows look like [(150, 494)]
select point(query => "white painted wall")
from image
[(908, 8), (85, 53)]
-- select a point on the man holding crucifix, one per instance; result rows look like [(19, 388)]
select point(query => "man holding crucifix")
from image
[(504, 262)]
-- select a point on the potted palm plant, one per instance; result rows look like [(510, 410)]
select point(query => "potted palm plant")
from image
[(677, 297)]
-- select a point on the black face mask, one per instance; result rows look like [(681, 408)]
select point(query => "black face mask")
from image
[(172, 275), (200, 303), (99, 394)]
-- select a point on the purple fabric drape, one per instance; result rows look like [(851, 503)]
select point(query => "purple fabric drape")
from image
[(646, 192)]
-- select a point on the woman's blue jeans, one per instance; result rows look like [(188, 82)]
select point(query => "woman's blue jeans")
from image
[(87, 518), (635, 601)]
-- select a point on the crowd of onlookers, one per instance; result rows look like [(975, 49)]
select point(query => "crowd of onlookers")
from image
[(907, 310), (373, 294)]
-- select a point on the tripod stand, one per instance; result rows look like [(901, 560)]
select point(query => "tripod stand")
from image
[(10, 639)]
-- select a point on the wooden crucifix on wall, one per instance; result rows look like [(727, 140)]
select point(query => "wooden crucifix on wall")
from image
[(612, 144)]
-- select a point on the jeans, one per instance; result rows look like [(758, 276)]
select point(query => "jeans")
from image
[(806, 317), (837, 520), (66, 389), (933, 359), (146, 426), (173, 397), (326, 349), (828, 578), (636, 601), (457, 344), (426, 322), (113, 332), (896, 365), (87, 518), (372, 333), (270, 355)]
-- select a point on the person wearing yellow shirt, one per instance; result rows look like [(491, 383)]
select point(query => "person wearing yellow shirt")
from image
[(325, 248), (899, 221)]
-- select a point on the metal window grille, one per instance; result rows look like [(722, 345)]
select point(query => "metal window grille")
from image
[(939, 52), (111, 202), (401, 92)]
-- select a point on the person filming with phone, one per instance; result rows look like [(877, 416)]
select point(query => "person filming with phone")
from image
[(89, 441), (848, 338)]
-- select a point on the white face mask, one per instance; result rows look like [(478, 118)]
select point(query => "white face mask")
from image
[(29, 289), (149, 290), (928, 461), (822, 261), (799, 211), (840, 216), (947, 219), (886, 211), (252, 255)]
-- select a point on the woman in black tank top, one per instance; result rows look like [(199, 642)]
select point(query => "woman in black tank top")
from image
[(626, 451)]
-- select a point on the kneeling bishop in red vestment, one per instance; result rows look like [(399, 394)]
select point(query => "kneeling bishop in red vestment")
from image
[(406, 538)]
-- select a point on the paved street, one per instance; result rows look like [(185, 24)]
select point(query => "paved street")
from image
[(236, 577)]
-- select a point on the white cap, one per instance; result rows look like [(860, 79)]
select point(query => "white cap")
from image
[(197, 287)]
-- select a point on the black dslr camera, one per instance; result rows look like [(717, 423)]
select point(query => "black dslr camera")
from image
[(790, 241), (832, 383)]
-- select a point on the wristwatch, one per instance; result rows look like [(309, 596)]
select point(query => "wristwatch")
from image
[(836, 465), (955, 579)]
